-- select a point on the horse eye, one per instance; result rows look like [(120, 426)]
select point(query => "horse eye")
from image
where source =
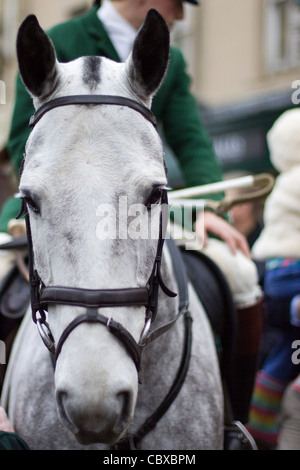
[(154, 197), (31, 204)]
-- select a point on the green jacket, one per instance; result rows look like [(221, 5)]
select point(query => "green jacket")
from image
[(11, 441), (174, 106)]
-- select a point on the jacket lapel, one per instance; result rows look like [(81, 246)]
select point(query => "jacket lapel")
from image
[(95, 28)]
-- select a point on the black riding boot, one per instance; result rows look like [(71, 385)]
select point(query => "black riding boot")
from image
[(242, 378)]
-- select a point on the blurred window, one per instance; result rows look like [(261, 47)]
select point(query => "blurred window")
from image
[(281, 28), (8, 26)]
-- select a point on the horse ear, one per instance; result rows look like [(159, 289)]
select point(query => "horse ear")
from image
[(148, 61), (37, 59)]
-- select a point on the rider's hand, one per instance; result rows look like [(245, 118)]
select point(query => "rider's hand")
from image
[(5, 425), (208, 222)]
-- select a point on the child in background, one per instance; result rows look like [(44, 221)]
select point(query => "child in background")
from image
[(279, 246)]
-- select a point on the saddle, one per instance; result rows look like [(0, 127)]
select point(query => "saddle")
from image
[(14, 301)]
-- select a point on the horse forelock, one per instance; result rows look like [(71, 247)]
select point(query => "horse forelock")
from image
[(93, 133), (91, 71)]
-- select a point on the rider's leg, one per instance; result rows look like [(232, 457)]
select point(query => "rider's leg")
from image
[(242, 277)]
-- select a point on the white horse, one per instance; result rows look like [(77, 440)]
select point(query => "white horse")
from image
[(81, 160)]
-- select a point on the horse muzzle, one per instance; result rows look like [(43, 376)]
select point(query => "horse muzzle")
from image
[(104, 421)]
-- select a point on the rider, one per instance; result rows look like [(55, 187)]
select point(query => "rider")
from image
[(110, 30)]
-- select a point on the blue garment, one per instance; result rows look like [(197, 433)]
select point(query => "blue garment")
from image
[(281, 285), (278, 364), (282, 278), (294, 311)]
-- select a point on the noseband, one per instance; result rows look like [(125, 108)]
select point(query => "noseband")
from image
[(92, 300)]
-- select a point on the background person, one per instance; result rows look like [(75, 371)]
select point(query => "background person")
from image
[(279, 246)]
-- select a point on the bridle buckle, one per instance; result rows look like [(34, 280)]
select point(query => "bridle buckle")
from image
[(145, 333), (45, 334)]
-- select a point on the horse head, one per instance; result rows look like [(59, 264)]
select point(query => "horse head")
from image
[(91, 173)]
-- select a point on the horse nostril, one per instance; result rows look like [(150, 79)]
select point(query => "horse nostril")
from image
[(62, 398), (124, 400)]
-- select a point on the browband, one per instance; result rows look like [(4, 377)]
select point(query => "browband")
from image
[(92, 99), (94, 298)]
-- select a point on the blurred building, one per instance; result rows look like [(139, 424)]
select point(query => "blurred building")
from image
[(12, 12), (243, 56)]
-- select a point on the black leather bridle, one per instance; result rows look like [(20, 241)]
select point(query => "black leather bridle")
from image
[(92, 99), (42, 296)]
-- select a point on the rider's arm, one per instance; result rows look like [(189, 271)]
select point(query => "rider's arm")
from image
[(208, 223)]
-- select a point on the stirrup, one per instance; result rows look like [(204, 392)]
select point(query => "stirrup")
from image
[(237, 437)]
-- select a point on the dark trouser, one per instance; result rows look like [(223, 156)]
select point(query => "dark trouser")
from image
[(244, 368)]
